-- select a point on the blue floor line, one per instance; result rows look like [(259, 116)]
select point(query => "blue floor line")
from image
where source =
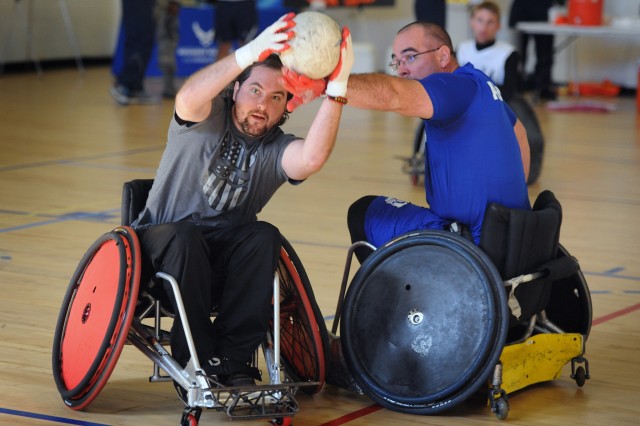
[(48, 418), (30, 225), (86, 216), (46, 163), (609, 275)]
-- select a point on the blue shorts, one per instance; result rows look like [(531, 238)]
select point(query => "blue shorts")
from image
[(388, 218)]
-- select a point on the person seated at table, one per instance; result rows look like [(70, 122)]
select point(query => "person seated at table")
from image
[(497, 59)]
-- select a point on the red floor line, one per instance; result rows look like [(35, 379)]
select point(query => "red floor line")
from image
[(373, 408), (353, 416), (615, 314)]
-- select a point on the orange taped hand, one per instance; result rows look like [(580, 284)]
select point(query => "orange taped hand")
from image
[(303, 88)]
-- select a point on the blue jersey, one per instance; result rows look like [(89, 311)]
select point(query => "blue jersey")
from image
[(473, 154), (473, 159)]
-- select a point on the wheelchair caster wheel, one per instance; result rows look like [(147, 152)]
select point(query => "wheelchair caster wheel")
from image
[(580, 373), (501, 408), (281, 421), (580, 376), (190, 416)]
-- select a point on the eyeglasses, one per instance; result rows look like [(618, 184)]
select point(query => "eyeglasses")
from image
[(408, 59)]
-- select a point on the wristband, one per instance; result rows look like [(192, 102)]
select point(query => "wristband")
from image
[(339, 99)]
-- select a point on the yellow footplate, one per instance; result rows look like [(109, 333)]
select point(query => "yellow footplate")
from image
[(539, 358)]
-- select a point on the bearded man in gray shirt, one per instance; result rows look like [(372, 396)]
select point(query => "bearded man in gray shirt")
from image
[(225, 158)]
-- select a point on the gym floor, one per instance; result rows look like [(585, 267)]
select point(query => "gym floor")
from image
[(67, 147)]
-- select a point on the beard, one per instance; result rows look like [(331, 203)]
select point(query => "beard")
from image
[(252, 129)]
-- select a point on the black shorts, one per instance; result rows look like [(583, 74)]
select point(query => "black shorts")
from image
[(236, 21)]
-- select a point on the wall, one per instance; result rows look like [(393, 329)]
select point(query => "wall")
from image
[(95, 23), (595, 59), (609, 58), (378, 25), (615, 59)]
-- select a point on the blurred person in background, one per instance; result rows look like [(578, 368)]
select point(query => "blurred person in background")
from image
[(497, 59), (138, 26), (235, 21), (535, 11)]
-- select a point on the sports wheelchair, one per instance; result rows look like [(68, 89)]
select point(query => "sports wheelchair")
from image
[(108, 304), (430, 318)]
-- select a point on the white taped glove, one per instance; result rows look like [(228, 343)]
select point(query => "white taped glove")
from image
[(273, 39), (337, 85)]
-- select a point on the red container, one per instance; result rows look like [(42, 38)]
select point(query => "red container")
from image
[(585, 12)]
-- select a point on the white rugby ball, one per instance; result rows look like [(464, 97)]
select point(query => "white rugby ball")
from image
[(315, 48)]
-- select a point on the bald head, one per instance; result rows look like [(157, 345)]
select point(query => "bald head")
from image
[(433, 31), (421, 49)]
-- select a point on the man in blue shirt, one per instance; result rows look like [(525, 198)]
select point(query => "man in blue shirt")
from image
[(477, 150)]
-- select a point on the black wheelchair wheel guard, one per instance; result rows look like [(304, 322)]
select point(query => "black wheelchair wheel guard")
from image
[(303, 333), (424, 322), (419, 140), (522, 109), (95, 317), (569, 304)]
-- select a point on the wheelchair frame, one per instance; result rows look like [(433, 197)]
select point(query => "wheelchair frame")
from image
[(546, 353), (293, 350), (275, 400)]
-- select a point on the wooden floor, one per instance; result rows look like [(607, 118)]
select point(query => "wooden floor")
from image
[(66, 149)]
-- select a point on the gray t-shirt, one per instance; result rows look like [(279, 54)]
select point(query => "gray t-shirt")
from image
[(212, 174)]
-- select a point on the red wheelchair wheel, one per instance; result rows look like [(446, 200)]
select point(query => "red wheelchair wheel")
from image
[(303, 333), (95, 317)]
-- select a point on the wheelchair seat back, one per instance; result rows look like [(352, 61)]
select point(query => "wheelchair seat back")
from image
[(134, 198), (519, 240), (522, 242)]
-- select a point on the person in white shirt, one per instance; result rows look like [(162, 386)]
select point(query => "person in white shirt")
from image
[(497, 59)]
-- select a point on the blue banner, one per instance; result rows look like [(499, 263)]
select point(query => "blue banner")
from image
[(196, 45)]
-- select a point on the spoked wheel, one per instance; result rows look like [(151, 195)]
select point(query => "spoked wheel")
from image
[(424, 322), (95, 317), (303, 333)]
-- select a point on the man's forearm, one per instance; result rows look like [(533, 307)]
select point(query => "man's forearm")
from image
[(193, 101), (382, 92), (369, 91)]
